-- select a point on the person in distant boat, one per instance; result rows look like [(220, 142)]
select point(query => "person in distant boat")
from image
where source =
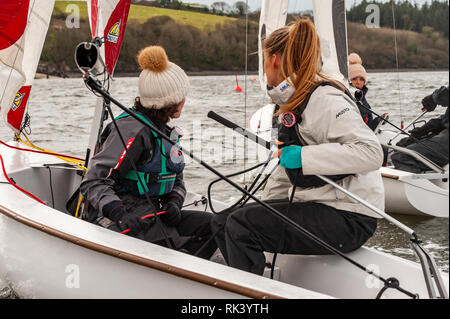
[(117, 194), (320, 132), (358, 80), (430, 140)]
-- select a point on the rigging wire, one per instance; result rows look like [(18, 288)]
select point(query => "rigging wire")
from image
[(397, 64), (245, 86)]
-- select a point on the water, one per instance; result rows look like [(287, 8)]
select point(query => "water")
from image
[(61, 113)]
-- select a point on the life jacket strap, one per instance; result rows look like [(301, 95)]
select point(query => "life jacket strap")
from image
[(149, 179)]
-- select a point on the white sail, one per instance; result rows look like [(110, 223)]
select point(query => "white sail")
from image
[(273, 16), (331, 24), (23, 28)]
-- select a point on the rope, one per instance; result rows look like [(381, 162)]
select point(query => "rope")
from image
[(14, 184), (69, 159)]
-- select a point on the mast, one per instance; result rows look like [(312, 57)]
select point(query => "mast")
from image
[(23, 29), (108, 20)]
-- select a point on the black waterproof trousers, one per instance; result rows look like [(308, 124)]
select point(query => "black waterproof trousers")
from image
[(426, 146), (245, 234)]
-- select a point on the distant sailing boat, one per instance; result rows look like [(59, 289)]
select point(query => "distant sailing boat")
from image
[(43, 248)]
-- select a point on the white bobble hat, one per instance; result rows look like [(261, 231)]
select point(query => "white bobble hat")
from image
[(161, 83)]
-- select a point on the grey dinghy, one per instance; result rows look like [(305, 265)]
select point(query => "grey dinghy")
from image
[(47, 253)]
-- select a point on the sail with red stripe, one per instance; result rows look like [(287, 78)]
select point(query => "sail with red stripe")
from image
[(23, 28), (108, 20)]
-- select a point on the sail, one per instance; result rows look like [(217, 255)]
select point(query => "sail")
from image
[(108, 20), (273, 16), (23, 28), (331, 24)]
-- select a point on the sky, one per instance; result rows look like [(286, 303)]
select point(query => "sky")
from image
[(295, 5)]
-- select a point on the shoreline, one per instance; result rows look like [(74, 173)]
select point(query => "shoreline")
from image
[(228, 73)]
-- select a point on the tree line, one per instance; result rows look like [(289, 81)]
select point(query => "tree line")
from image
[(408, 15), (224, 48), (238, 9)]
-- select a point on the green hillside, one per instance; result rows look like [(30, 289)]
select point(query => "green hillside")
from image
[(205, 42), (141, 14)]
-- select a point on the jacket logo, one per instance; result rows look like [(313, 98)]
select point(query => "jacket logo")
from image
[(17, 101), (113, 34), (124, 153), (285, 87), (342, 112), (288, 119)]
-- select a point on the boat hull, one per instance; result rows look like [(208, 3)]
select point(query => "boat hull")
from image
[(47, 253), (407, 194)]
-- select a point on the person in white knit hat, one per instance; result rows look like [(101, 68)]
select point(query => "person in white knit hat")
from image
[(118, 194), (163, 85)]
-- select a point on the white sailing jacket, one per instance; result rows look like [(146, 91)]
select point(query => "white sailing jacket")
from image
[(338, 142)]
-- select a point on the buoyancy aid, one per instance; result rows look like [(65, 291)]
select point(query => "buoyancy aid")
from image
[(289, 134), (158, 175)]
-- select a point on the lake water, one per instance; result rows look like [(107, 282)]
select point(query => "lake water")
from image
[(61, 113)]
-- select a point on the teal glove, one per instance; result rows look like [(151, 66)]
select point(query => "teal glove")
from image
[(291, 157)]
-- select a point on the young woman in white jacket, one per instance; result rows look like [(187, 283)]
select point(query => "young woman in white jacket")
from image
[(323, 134)]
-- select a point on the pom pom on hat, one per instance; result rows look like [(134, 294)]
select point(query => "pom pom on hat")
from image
[(354, 59), (153, 58), (355, 68), (161, 82)]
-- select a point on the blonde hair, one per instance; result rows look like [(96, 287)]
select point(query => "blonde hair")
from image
[(298, 45)]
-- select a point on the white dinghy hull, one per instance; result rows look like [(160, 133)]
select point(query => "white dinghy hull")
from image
[(406, 193), (45, 253), (409, 196)]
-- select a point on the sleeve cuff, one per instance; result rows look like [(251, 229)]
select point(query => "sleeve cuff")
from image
[(114, 210)]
